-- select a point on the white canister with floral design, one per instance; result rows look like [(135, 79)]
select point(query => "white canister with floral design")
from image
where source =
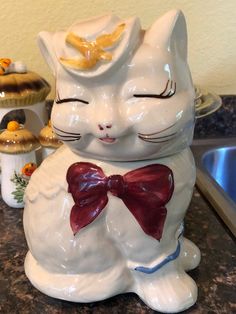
[(18, 161)]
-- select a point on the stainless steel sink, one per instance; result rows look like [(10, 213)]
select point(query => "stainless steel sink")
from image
[(216, 175)]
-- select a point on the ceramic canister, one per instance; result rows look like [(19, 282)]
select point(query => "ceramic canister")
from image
[(18, 161), (23, 89), (48, 140)]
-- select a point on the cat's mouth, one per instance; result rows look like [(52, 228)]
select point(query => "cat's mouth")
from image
[(108, 140)]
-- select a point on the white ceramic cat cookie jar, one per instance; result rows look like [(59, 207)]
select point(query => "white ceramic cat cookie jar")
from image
[(104, 213)]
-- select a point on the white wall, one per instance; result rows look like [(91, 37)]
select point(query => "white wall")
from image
[(211, 29)]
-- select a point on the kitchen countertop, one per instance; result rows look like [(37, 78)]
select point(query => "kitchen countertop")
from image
[(215, 276)]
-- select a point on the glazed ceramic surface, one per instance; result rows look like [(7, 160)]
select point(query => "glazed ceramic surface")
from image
[(104, 213), (46, 151), (22, 89), (15, 177), (18, 161)]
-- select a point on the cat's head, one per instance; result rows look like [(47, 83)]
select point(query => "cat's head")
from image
[(134, 100)]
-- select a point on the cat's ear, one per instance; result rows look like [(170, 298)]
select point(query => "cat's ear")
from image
[(169, 32), (45, 43)]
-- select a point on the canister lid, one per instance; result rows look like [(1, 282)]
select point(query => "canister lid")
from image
[(48, 138), (17, 140), (19, 87)]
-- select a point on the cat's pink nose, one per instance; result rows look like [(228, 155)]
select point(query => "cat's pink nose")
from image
[(104, 126)]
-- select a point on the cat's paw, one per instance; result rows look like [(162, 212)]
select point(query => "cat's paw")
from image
[(190, 255), (170, 291), (79, 287)]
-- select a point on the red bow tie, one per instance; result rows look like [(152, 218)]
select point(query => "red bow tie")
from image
[(145, 192)]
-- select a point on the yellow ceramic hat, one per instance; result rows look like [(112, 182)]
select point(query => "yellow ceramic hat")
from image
[(48, 138), (17, 140), (19, 87)]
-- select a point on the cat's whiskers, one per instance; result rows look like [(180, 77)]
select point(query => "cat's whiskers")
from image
[(149, 134), (72, 140), (66, 132), (160, 139), (156, 141), (157, 137), (69, 137)]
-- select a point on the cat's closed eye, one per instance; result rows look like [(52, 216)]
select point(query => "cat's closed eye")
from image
[(64, 100), (169, 91)]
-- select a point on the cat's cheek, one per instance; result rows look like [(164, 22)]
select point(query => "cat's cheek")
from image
[(61, 116), (150, 115), (80, 145), (69, 120), (149, 148), (169, 115), (136, 116)]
